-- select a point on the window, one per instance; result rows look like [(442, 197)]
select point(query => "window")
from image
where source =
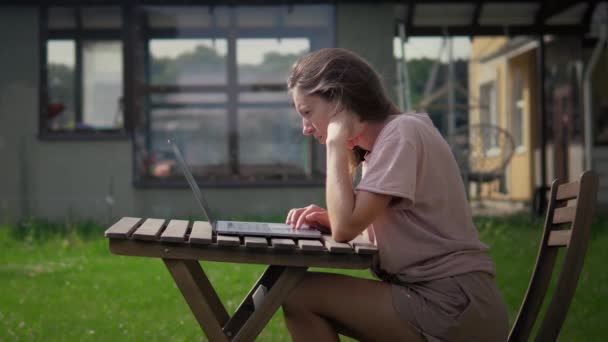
[(517, 108), (213, 79), (487, 112), (487, 104), (82, 78)]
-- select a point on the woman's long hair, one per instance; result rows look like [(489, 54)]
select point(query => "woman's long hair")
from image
[(341, 75)]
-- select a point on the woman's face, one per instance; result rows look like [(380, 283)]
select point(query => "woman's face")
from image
[(315, 112)]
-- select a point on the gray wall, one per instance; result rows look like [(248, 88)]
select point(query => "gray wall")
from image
[(60, 179), (369, 30)]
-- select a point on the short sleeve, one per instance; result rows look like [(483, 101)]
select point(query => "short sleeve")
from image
[(391, 167)]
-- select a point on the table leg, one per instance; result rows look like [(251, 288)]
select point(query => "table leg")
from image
[(248, 321), (200, 296)]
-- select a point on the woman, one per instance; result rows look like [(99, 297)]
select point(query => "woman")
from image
[(437, 280)]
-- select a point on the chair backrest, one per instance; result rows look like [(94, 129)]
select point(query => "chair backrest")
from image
[(566, 226)]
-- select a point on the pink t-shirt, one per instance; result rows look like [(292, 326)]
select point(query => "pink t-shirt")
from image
[(427, 231)]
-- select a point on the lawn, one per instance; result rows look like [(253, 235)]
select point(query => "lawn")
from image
[(59, 282)]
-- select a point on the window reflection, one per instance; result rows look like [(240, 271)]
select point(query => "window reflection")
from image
[(188, 61), (102, 84), (84, 70), (214, 80), (61, 62)]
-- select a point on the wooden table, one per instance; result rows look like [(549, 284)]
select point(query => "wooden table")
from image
[(181, 244)]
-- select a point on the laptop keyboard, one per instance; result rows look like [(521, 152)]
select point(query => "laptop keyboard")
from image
[(253, 227), (265, 229)]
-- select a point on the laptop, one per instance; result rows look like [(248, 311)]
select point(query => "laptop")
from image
[(265, 229)]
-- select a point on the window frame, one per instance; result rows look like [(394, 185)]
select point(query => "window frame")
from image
[(79, 35), (232, 89)]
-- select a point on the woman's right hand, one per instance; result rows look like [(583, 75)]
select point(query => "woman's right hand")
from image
[(312, 215)]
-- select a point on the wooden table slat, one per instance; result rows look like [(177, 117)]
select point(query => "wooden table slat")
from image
[(311, 245), (149, 230), (362, 245), (175, 232), (215, 252), (336, 247), (123, 228), (202, 233), (228, 240), (256, 242), (366, 248), (280, 243)]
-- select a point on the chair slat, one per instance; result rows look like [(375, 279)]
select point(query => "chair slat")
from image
[(576, 239), (149, 230), (228, 240), (123, 228), (256, 242), (311, 245), (564, 214), (202, 233), (567, 191), (175, 231), (559, 238), (283, 243), (336, 247)]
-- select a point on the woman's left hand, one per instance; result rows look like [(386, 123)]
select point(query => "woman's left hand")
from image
[(341, 127)]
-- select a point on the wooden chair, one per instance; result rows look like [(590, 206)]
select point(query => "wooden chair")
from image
[(565, 227)]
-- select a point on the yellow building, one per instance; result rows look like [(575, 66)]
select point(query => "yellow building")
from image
[(504, 91)]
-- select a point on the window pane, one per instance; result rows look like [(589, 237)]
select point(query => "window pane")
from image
[(309, 16), (271, 144), (61, 63), (250, 16), (160, 17), (268, 60), (105, 17), (201, 135), (487, 104), (103, 86), (188, 61), (62, 18), (517, 108)]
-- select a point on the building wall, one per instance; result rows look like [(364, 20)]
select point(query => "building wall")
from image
[(524, 169), (520, 169), (481, 73), (92, 179), (368, 30)]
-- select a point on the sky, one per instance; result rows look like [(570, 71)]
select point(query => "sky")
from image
[(251, 51)]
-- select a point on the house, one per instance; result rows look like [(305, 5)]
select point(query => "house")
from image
[(504, 83), (91, 90)]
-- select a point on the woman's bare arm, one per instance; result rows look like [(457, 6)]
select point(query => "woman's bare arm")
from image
[(349, 215)]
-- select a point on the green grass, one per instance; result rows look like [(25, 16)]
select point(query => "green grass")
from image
[(60, 282)]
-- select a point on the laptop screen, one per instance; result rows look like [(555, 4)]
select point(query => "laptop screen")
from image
[(195, 189)]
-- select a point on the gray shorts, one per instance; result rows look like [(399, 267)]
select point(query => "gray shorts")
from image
[(465, 307)]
